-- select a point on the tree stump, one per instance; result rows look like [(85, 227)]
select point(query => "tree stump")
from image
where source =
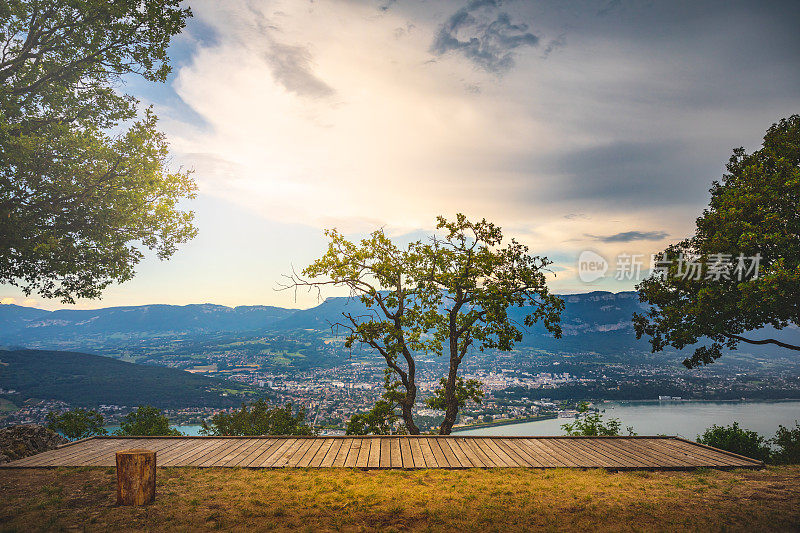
[(136, 477)]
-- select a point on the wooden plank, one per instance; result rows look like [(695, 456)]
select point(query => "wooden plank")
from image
[(668, 456), (511, 458), (386, 453), (278, 457), (245, 451), (394, 453), (53, 458), (69, 451), (427, 452), (352, 454), (330, 455), (255, 452), (711, 457), (175, 455), (586, 455), (199, 455), (316, 462), (475, 453), (551, 458), (746, 460), (312, 451), (496, 453), (374, 460), (722, 458), (416, 452), (450, 457), (75, 454), (341, 455), (662, 448), (619, 457), (405, 453), (570, 456), (295, 458), (211, 457), (645, 455), (462, 458), (107, 456), (438, 454), (398, 452), (237, 452), (362, 460), (519, 452)]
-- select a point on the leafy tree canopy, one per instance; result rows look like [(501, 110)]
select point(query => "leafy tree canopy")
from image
[(444, 296), (76, 424), (76, 203), (737, 440), (754, 212), (259, 419), (593, 424), (146, 421), (787, 442)]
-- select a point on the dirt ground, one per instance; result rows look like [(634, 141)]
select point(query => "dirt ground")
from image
[(192, 499)]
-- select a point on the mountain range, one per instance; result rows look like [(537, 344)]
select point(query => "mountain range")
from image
[(594, 322)]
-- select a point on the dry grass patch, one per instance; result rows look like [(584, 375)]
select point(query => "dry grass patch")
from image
[(191, 499)]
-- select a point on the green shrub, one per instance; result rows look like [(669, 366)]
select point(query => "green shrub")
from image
[(146, 421), (592, 424), (787, 442), (737, 440), (76, 424), (259, 419)]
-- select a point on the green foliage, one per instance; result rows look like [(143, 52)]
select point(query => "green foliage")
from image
[(444, 296), (259, 419), (753, 210), (592, 424), (377, 421), (76, 424), (88, 380), (787, 442), (464, 391), (146, 421), (382, 417), (737, 440), (77, 204)]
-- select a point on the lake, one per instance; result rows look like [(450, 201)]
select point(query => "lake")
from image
[(686, 419)]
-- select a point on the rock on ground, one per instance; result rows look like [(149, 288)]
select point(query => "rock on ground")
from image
[(17, 442)]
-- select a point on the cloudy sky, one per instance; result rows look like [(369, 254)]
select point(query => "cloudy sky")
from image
[(573, 125)]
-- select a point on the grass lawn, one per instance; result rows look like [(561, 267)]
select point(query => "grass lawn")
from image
[(190, 499)]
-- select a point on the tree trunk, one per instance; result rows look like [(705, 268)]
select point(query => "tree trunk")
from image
[(136, 477), (408, 416), (451, 402)]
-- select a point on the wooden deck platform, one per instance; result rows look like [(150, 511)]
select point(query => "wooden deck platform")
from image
[(615, 453)]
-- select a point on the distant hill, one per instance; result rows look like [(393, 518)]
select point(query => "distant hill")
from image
[(19, 324), (89, 380), (596, 322)]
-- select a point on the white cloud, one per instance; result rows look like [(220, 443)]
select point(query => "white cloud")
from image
[(337, 113)]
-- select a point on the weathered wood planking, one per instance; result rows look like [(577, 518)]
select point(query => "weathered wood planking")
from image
[(614, 453)]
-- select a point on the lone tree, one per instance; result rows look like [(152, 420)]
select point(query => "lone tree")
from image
[(443, 296), (76, 203), (146, 420), (259, 419), (76, 424), (745, 255)]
